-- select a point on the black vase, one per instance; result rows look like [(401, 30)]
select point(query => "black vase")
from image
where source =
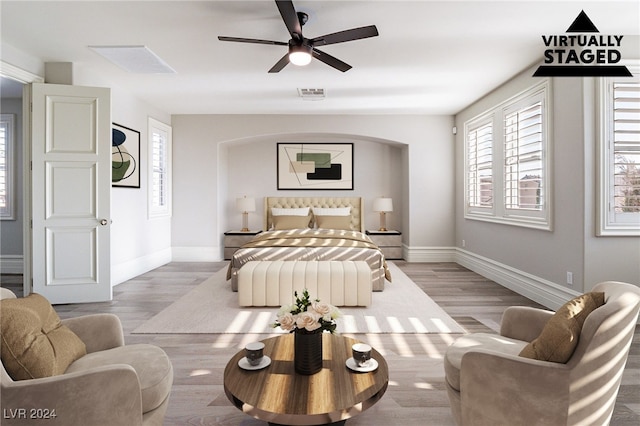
[(307, 352)]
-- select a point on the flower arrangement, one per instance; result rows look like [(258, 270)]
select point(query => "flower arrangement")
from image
[(307, 316)]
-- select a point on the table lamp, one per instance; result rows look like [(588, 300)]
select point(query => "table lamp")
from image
[(383, 205), (245, 205)]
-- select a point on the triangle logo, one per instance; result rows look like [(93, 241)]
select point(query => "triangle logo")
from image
[(582, 55), (582, 24)]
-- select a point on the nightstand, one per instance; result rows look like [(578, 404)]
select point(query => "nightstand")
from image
[(233, 240), (390, 242)]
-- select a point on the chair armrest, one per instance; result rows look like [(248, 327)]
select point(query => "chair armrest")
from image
[(523, 322), (108, 395), (499, 388), (98, 332)]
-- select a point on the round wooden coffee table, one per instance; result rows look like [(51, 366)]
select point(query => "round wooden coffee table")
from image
[(279, 396)]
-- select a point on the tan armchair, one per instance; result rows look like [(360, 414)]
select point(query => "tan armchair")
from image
[(112, 384), (488, 383)]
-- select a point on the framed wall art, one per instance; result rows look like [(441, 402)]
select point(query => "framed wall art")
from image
[(125, 157), (315, 166)]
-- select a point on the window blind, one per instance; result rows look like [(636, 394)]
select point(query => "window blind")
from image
[(3, 165), (480, 166), (159, 160), (7, 210), (523, 172), (626, 147)]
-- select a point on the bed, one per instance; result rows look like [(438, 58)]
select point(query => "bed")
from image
[(308, 243)]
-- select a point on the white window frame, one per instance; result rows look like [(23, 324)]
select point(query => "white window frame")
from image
[(529, 218), (7, 122), (158, 129), (608, 221)]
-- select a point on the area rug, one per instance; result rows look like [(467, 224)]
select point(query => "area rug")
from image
[(212, 307)]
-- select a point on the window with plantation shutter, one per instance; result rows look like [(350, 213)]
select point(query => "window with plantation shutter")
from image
[(6, 166), (619, 192), (523, 145), (480, 166), (159, 169), (507, 161)]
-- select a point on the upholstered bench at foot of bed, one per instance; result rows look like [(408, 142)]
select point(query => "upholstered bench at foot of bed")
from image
[(273, 283)]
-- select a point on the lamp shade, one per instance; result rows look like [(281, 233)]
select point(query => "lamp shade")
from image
[(382, 205), (300, 55), (246, 204)]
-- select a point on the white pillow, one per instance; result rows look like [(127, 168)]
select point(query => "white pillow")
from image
[(303, 211), (332, 211)]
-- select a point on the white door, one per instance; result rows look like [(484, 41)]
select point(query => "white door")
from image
[(70, 200)]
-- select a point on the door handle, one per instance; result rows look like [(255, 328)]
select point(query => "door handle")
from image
[(104, 222)]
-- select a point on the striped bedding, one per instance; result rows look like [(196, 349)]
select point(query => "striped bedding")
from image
[(312, 244)]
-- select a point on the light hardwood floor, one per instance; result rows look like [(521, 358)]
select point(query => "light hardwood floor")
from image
[(416, 393)]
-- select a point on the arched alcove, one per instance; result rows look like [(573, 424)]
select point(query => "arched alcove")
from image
[(247, 166)]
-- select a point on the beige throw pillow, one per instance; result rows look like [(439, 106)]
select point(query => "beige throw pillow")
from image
[(34, 343), (560, 335), (334, 222), (290, 222)]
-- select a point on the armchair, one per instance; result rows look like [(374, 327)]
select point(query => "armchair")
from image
[(488, 383), (113, 384)]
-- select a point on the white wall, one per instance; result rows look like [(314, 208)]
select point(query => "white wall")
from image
[(544, 257), (252, 171), (218, 158), (605, 258), (138, 244)]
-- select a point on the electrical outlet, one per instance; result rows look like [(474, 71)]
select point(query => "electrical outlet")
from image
[(464, 243), (569, 277)]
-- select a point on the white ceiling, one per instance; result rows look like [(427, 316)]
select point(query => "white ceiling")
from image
[(430, 57)]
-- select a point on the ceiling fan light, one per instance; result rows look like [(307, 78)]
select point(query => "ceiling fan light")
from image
[(300, 55)]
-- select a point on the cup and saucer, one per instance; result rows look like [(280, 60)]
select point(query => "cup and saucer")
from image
[(255, 358), (264, 362), (361, 360), (363, 367)]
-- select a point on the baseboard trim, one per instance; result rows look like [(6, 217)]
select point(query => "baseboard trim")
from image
[(539, 290), (132, 268), (12, 264), (429, 254), (196, 254)]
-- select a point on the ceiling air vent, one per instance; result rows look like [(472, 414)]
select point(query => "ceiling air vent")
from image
[(312, 94), (134, 59)]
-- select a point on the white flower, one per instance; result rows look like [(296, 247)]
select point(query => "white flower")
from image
[(321, 308), (287, 321), (326, 311), (285, 309), (311, 315), (308, 320), (335, 313)]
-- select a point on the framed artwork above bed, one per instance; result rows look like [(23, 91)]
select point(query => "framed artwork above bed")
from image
[(315, 166)]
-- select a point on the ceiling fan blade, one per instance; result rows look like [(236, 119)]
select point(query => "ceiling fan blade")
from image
[(280, 64), (290, 18), (252, 40), (331, 61), (346, 35)]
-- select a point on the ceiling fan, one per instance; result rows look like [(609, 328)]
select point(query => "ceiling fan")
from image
[(302, 49)]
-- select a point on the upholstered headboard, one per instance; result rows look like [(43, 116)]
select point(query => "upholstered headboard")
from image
[(357, 220)]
